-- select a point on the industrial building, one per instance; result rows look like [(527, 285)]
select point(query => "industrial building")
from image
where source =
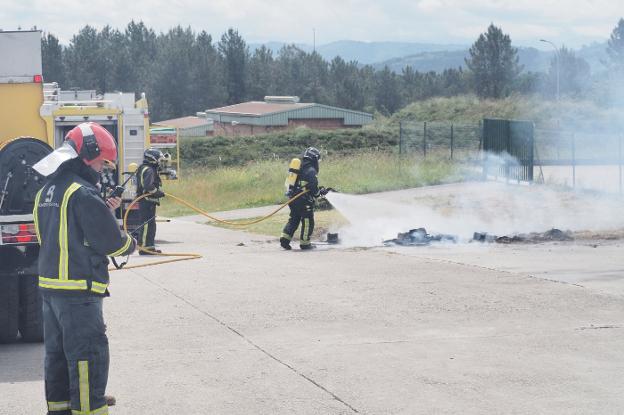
[(190, 126), (279, 113)]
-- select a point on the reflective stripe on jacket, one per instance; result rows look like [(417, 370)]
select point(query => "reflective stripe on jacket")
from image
[(307, 180), (77, 232), (148, 181)]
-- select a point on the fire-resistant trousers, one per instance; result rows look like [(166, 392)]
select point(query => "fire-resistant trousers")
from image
[(147, 233), (76, 354), (300, 213)]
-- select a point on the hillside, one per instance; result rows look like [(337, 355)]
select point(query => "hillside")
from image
[(364, 52), (532, 59), (430, 56)]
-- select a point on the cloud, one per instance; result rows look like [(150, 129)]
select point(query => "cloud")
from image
[(571, 22)]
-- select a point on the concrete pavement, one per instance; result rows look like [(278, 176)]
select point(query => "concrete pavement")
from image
[(251, 329)]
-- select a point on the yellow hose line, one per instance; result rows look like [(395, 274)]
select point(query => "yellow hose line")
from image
[(163, 261), (187, 256), (183, 256), (226, 222)]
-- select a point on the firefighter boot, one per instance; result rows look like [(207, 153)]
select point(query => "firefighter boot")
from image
[(285, 243), (150, 251), (110, 400), (307, 246)]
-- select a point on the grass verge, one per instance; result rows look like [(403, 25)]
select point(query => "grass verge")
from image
[(262, 183)]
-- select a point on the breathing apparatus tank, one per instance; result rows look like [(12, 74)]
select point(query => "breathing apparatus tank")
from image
[(291, 180)]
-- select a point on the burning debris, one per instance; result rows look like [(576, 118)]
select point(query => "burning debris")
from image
[(526, 238), (419, 237), (332, 239)]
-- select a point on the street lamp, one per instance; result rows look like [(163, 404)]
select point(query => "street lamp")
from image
[(556, 61)]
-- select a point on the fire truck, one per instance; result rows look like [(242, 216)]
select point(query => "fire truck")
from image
[(34, 118)]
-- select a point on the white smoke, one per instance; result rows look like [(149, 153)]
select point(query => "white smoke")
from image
[(465, 208)]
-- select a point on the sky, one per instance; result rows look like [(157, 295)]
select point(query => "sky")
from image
[(572, 22)]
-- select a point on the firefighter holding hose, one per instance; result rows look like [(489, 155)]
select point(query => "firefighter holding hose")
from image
[(149, 184), (302, 178), (77, 232)]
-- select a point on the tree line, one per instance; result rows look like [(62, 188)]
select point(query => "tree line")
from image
[(183, 71)]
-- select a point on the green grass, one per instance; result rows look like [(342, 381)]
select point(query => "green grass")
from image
[(222, 151), (262, 183), (470, 109)]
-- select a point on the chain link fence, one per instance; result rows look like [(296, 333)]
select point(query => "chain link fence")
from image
[(456, 141)]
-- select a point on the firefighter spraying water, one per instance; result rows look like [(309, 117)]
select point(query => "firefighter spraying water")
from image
[(302, 177)]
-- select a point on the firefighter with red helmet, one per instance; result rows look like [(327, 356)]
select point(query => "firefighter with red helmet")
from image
[(77, 232), (148, 184)]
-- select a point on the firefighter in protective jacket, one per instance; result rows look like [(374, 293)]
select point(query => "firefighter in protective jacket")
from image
[(77, 231), (149, 183), (302, 209)]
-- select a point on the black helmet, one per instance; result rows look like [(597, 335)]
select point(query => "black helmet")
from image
[(312, 156), (312, 153), (153, 156)]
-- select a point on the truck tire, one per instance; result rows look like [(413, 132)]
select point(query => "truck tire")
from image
[(30, 316), (9, 307)]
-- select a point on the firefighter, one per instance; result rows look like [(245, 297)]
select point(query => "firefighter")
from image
[(148, 183), (302, 209), (77, 231)]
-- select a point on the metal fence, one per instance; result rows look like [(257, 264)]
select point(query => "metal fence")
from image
[(574, 151), (565, 147), (508, 149), (457, 141), (580, 157)]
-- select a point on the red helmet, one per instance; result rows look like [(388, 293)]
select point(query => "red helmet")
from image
[(92, 142)]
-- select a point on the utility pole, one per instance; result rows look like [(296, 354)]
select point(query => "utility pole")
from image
[(557, 58)]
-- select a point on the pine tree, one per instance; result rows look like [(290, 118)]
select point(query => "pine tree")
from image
[(172, 77), (52, 60), (574, 73), (346, 84), (82, 59), (315, 76), (141, 52), (208, 88), (615, 49), (235, 54), (289, 70), (387, 95), (453, 82), (493, 63), (411, 84), (261, 74)]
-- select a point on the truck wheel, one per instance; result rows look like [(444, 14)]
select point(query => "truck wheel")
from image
[(30, 317), (9, 307)]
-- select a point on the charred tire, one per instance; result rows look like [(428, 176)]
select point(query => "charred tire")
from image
[(9, 307), (30, 316)]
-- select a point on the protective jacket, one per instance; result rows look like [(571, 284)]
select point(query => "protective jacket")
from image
[(148, 181), (307, 180), (77, 232)]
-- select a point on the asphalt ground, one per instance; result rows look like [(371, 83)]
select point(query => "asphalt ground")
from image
[(452, 329)]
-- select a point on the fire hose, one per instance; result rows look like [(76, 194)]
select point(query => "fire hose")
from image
[(185, 256)]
